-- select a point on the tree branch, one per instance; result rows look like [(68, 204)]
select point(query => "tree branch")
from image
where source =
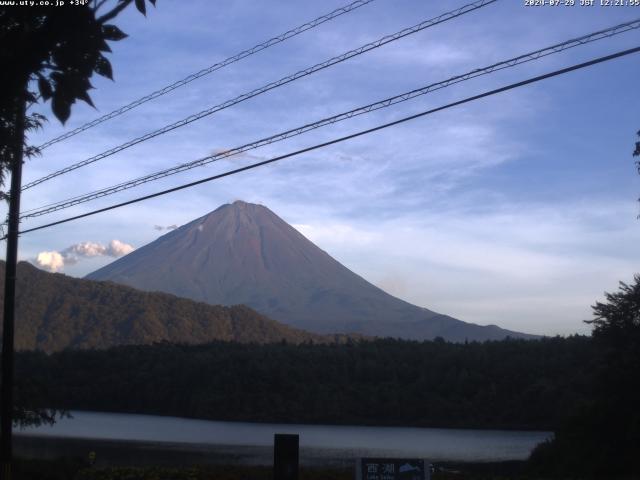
[(99, 4), (114, 12)]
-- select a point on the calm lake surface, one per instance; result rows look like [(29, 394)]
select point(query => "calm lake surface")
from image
[(252, 443)]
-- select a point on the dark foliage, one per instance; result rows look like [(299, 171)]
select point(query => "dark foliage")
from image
[(218, 472), (76, 469), (636, 153), (55, 51), (502, 384), (603, 437)]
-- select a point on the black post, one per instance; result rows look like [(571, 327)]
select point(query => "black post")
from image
[(285, 457), (6, 391)]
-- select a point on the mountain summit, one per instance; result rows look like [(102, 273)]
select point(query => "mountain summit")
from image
[(243, 253)]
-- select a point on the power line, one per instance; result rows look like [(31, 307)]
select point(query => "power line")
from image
[(290, 78), (342, 139), (591, 37), (206, 71)]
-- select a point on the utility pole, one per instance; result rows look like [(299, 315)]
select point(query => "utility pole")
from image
[(6, 390)]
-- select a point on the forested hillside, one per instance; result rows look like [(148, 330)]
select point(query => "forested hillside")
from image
[(55, 311), (501, 384)]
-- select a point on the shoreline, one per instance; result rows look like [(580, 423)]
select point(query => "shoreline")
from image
[(136, 453), (141, 453), (147, 440), (380, 424)]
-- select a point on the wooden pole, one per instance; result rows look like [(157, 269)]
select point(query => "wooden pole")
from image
[(6, 390)]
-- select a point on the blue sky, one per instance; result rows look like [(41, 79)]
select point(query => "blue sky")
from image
[(518, 209)]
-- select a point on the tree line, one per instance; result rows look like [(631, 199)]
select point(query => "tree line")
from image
[(512, 384)]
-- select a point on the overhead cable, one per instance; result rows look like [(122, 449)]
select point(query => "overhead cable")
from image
[(206, 71), (270, 86), (537, 54), (341, 139)]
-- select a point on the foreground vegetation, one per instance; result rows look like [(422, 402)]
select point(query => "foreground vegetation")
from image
[(75, 469), (600, 438)]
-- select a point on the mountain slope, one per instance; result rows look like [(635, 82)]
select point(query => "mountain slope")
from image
[(243, 253), (54, 312)]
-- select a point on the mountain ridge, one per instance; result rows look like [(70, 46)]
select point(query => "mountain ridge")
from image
[(243, 253), (55, 311)]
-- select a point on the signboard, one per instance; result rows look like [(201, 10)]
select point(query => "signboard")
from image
[(392, 469)]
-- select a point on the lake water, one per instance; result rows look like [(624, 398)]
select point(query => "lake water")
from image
[(319, 444)]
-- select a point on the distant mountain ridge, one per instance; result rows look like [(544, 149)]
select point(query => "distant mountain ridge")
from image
[(243, 253), (54, 312)]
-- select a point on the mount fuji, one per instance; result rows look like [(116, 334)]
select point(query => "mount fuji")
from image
[(243, 253)]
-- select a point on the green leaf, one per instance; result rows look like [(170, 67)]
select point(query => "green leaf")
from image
[(141, 7), (45, 88), (111, 32), (103, 67)]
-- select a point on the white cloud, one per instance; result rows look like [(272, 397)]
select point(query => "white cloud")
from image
[(52, 261), (55, 261), (85, 249), (117, 249)]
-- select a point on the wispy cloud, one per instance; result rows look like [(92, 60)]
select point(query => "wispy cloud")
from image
[(160, 228), (536, 270)]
